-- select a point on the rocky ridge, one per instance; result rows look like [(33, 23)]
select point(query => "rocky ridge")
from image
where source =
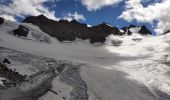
[(64, 30)]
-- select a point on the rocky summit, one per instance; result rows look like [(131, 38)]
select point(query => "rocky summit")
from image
[(64, 30), (143, 30)]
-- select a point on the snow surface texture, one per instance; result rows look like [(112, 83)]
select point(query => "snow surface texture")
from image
[(135, 69), (40, 71)]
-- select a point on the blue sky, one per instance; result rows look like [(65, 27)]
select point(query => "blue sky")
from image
[(92, 12), (108, 14)]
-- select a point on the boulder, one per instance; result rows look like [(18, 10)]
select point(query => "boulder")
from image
[(21, 31)]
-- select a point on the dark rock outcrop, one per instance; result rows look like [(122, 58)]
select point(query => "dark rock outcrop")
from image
[(101, 31), (21, 31), (132, 26), (168, 31), (1, 20), (6, 61), (13, 77), (126, 30), (64, 30), (144, 30)]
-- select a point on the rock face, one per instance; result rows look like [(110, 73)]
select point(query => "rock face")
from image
[(12, 76), (64, 30), (126, 30), (103, 30), (21, 31), (144, 30), (1, 20)]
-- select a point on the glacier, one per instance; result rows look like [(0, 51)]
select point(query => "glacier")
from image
[(137, 69)]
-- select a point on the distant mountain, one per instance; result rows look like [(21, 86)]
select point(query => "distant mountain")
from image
[(141, 29), (64, 30)]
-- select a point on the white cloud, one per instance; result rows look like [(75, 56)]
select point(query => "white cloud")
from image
[(98, 4), (159, 12), (75, 15), (8, 17), (22, 8)]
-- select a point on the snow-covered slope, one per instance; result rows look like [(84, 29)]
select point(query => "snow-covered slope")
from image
[(35, 34), (132, 67)]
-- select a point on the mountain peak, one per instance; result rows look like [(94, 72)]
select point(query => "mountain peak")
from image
[(41, 16), (144, 30), (73, 21), (63, 21), (132, 26)]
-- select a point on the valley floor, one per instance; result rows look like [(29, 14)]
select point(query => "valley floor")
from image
[(47, 79)]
